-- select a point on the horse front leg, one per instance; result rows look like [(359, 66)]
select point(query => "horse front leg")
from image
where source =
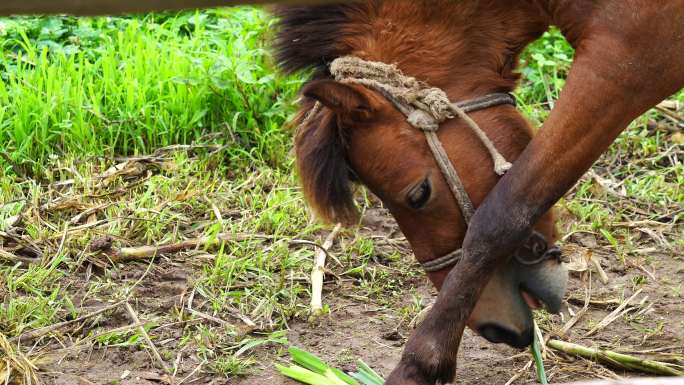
[(612, 82)]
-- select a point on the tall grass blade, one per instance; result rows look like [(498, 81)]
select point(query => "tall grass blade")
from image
[(538, 361)]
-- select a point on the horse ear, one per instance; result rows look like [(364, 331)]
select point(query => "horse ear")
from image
[(343, 99)]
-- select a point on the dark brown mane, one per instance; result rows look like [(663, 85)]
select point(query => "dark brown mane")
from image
[(309, 36)]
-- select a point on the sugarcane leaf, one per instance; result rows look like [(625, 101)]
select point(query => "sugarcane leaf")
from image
[(310, 369), (538, 361), (303, 375), (307, 360), (344, 377), (371, 373), (332, 376), (366, 379)]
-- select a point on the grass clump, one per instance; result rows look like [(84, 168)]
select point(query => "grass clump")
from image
[(103, 86)]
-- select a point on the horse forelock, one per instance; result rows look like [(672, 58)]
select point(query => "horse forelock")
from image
[(321, 147), (308, 38)]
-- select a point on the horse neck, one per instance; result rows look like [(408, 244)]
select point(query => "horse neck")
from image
[(467, 48)]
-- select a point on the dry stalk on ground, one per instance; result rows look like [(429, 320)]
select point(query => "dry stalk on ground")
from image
[(143, 252), (615, 314), (15, 367), (141, 328), (318, 272), (635, 381), (616, 359)]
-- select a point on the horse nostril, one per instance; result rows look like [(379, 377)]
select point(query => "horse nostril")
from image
[(537, 244), (500, 334), (536, 250), (555, 253)]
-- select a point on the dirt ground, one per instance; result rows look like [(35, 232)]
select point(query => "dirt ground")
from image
[(622, 231), (376, 331)]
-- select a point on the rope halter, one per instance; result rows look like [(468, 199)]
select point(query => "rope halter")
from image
[(425, 108)]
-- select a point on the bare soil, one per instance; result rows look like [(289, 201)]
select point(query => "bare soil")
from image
[(375, 330)]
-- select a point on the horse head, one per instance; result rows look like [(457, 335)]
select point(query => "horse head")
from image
[(350, 132)]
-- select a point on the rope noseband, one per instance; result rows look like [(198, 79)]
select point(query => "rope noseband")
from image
[(426, 108)]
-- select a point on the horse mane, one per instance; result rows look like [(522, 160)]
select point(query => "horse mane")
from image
[(309, 38)]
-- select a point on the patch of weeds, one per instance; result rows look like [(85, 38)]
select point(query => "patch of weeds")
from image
[(125, 338), (639, 280), (544, 65), (21, 313), (646, 326), (33, 298), (345, 357), (257, 282), (361, 251), (231, 366), (544, 319), (234, 359), (410, 310), (382, 285), (281, 212), (130, 85)]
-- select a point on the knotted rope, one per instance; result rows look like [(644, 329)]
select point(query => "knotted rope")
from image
[(425, 107)]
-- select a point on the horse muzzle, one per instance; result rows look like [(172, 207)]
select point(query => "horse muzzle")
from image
[(533, 278)]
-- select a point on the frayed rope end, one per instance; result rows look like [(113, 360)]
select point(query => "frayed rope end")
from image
[(501, 165)]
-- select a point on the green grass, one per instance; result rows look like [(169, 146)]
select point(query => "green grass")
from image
[(545, 65), (108, 86)]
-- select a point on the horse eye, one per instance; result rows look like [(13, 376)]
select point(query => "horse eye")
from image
[(419, 195)]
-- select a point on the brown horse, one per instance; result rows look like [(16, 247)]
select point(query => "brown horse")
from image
[(629, 56)]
